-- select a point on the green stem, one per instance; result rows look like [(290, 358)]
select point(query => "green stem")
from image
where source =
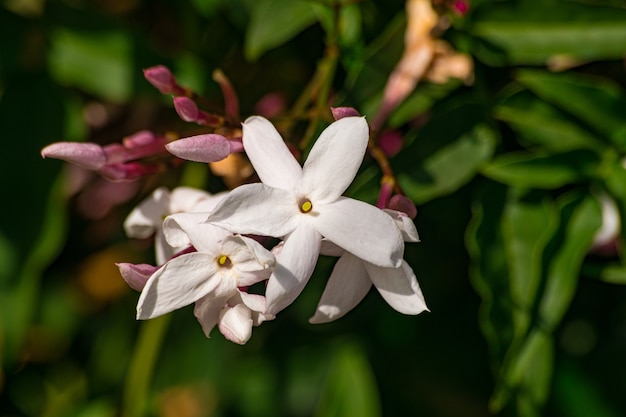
[(141, 366)]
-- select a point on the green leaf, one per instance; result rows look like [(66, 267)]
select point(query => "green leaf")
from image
[(596, 101), (350, 389), (581, 218), (538, 33), (528, 222), (445, 155), (540, 123), (489, 269), (99, 62), (274, 22), (524, 169)]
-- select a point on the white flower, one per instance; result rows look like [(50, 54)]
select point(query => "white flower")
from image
[(353, 277), (234, 316), (222, 264), (304, 204), (146, 219)]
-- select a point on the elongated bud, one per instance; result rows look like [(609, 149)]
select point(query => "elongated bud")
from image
[(341, 112), (186, 108), (231, 101), (390, 141), (402, 203), (136, 275), (162, 78), (201, 148), (86, 155), (386, 189)]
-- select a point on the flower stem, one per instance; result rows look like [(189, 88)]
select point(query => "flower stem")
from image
[(142, 366)]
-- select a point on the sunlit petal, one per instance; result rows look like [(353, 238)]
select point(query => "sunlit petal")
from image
[(207, 311), (405, 224), (399, 287), (361, 229), (347, 286), (185, 229), (294, 268), (257, 209), (272, 160), (334, 160), (180, 282)]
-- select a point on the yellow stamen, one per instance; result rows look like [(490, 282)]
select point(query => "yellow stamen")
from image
[(306, 206)]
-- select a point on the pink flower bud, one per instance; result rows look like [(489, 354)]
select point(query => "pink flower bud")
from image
[(86, 155), (141, 138), (236, 145), (136, 275), (200, 148), (401, 203), (386, 188), (231, 101), (341, 112), (461, 7), (162, 78), (271, 105), (187, 109)]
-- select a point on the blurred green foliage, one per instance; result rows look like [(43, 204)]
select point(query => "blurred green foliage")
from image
[(509, 175)]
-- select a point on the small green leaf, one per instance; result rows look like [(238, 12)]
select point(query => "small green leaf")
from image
[(609, 273), (524, 169), (274, 22)]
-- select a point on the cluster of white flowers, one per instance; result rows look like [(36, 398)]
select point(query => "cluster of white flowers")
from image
[(209, 251)]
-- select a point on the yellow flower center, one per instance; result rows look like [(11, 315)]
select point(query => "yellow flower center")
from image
[(224, 261), (306, 206)]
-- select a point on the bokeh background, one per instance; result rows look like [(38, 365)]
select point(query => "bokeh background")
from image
[(512, 170)]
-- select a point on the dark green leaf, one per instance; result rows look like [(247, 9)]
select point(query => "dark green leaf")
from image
[(523, 169), (445, 155), (539, 33), (274, 22)]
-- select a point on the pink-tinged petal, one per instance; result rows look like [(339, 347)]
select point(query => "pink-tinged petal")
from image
[(399, 287), (361, 229), (136, 275), (334, 160), (347, 286), (87, 155), (236, 323), (180, 282), (148, 215), (272, 160), (163, 79), (294, 268), (207, 310), (200, 148), (257, 209), (185, 229), (405, 224)]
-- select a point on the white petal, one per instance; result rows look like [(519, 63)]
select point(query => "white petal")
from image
[(254, 302), (148, 215), (248, 254), (328, 248), (361, 229), (268, 153), (236, 323), (334, 160), (294, 268), (347, 286), (257, 209), (185, 199), (405, 224), (399, 287), (207, 310), (183, 229), (180, 282)]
